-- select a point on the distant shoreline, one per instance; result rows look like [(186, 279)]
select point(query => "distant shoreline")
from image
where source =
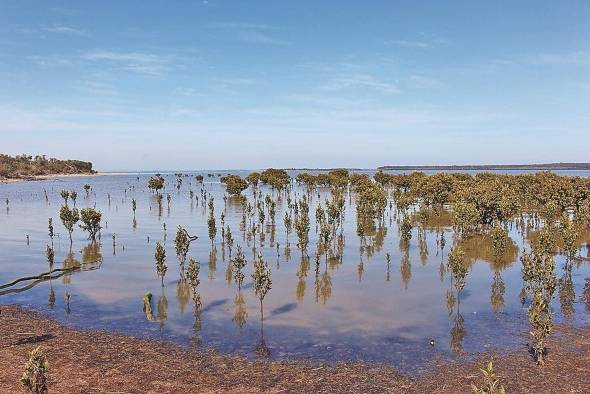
[(491, 167)]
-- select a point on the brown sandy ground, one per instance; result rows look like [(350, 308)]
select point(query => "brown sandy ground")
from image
[(99, 362)]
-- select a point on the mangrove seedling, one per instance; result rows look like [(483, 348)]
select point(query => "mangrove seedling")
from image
[(491, 382), (234, 184), (302, 225), (261, 279), (50, 230), (160, 256), (65, 195), (212, 229), (90, 222), (192, 273), (182, 244), (34, 377), (74, 196), (540, 279), (238, 263), (50, 255), (156, 183), (69, 218), (229, 240), (133, 207)]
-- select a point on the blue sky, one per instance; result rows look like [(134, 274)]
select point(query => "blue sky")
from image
[(138, 85)]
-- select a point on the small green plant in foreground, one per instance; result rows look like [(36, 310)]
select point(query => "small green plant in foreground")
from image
[(35, 375), (491, 382)]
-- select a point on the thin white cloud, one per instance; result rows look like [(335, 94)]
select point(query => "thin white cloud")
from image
[(188, 92), (412, 44), (253, 33), (50, 60), (574, 58), (257, 37), (238, 81), (424, 82), (360, 80), (423, 41), (137, 62), (62, 29), (241, 25)]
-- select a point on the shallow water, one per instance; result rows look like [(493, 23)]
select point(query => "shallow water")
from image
[(347, 311)]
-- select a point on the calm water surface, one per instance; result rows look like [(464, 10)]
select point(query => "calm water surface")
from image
[(359, 309)]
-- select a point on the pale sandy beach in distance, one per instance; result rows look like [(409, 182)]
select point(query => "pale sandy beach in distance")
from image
[(58, 176)]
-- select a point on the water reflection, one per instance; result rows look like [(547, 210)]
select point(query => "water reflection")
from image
[(497, 293)]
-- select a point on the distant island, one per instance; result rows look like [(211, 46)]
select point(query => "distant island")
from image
[(491, 167), (29, 167)]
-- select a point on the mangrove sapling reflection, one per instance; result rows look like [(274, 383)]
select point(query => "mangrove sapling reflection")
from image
[(192, 274), (148, 307)]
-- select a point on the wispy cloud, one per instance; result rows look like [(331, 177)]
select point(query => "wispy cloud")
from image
[(424, 82), (237, 81), (136, 62), (412, 44), (423, 41), (361, 80), (256, 37), (52, 60), (62, 29), (253, 33), (241, 25), (574, 58), (188, 92)]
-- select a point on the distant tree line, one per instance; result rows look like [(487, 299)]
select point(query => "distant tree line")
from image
[(22, 166), (490, 167)]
